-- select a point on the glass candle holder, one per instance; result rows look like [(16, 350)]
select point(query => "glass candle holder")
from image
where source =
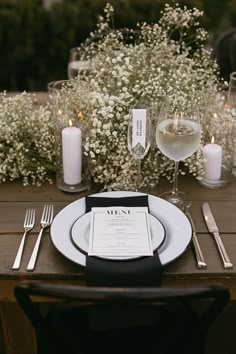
[(69, 109), (218, 153)]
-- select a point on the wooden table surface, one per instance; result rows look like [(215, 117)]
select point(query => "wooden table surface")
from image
[(54, 267)]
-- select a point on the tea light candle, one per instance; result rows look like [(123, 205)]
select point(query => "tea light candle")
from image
[(71, 154), (212, 153)]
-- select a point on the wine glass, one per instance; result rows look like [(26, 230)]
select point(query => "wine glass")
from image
[(178, 136), (231, 103), (78, 63), (232, 94), (139, 136)]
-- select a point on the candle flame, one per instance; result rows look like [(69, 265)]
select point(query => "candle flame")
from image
[(80, 115), (212, 140), (70, 123), (214, 115)]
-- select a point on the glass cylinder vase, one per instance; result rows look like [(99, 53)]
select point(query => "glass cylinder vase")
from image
[(69, 108), (218, 151)]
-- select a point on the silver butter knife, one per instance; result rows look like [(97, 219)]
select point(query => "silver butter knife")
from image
[(198, 252), (212, 227)]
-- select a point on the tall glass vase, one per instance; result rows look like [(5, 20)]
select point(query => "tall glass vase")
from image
[(69, 105)]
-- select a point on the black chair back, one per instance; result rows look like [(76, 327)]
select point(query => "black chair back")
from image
[(121, 320)]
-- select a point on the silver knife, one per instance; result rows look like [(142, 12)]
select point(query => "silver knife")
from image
[(198, 252), (212, 227)]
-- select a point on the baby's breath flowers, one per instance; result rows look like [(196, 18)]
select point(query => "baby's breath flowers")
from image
[(145, 65), (26, 140)]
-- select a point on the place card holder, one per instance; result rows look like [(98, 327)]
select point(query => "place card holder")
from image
[(68, 107)]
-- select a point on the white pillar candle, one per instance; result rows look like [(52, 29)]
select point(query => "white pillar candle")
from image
[(71, 154), (212, 154)]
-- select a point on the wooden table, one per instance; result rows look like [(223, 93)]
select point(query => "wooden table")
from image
[(54, 267)]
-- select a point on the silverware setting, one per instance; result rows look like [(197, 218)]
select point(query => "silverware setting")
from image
[(201, 263), (213, 229), (28, 226), (46, 220), (47, 217)]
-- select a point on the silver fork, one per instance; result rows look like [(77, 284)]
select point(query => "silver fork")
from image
[(45, 222), (28, 225)]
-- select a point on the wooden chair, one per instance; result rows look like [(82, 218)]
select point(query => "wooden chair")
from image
[(121, 320)]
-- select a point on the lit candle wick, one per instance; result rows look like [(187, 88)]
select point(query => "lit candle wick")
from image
[(80, 115)]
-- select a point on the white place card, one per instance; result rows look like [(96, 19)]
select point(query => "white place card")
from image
[(139, 127), (120, 231)]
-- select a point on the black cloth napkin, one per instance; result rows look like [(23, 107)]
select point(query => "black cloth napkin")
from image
[(143, 271), (137, 201)]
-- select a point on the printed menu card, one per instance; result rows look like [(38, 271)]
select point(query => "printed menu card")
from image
[(120, 232)]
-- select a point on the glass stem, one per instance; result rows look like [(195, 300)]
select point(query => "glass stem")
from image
[(175, 183), (139, 175)]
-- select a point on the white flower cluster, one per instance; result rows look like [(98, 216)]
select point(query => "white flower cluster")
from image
[(147, 65), (27, 149)]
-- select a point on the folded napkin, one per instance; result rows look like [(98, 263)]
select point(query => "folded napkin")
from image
[(137, 201), (143, 271)]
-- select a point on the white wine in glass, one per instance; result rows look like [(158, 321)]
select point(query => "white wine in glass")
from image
[(178, 136), (78, 63), (139, 137)]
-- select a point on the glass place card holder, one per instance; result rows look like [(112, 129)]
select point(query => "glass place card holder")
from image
[(68, 99)]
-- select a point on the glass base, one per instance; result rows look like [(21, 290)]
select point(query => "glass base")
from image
[(152, 183), (178, 199), (73, 188), (213, 184)]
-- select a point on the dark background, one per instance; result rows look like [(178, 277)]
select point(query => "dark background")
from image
[(35, 40)]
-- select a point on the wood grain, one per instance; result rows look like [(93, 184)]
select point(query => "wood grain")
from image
[(15, 199)]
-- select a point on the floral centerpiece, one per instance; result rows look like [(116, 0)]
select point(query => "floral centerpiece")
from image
[(146, 65)]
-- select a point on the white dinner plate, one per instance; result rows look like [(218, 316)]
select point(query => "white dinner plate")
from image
[(81, 228), (177, 227)]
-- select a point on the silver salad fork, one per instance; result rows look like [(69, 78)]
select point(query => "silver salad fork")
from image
[(28, 226), (45, 222)]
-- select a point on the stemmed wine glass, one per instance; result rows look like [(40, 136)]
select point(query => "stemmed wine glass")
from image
[(139, 136), (232, 94), (231, 103), (78, 63), (178, 136)]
